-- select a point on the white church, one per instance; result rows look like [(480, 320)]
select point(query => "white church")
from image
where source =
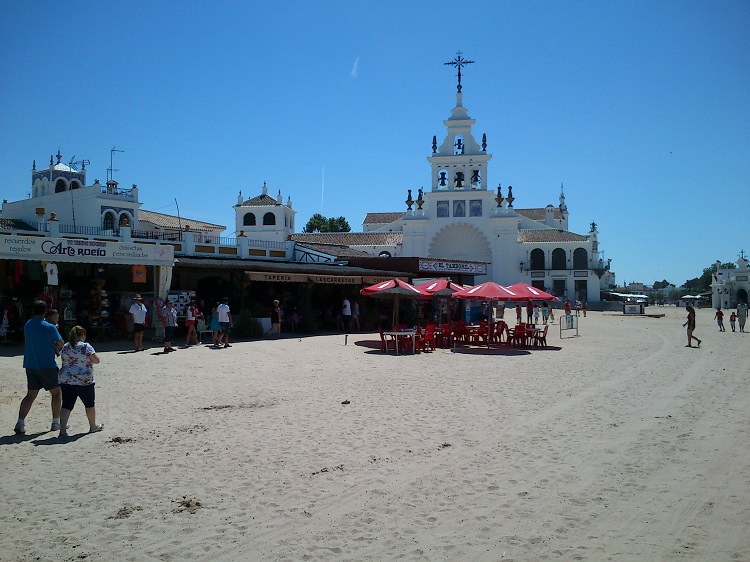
[(462, 219)]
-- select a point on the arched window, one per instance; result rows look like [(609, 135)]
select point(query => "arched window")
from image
[(248, 219), (75, 184), (537, 259), (558, 259), (124, 220), (61, 185), (580, 258), (269, 219), (109, 221), (384, 254)]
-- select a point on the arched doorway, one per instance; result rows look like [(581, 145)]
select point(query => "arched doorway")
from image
[(741, 296), (460, 242)]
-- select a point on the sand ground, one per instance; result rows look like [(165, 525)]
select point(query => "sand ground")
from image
[(619, 444)]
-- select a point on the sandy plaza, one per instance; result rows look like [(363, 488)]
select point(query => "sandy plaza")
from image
[(620, 444)]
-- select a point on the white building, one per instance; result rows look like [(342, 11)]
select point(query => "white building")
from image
[(461, 219), (731, 286)]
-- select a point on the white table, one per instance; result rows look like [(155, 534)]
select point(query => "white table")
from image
[(395, 334)]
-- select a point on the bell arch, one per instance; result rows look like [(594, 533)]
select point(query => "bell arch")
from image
[(460, 241), (269, 219), (248, 219)]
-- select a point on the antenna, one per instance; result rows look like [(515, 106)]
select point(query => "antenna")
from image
[(179, 220), (73, 165), (111, 170)]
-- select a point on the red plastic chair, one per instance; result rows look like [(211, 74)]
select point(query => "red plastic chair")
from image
[(428, 339), (540, 338), (384, 342)]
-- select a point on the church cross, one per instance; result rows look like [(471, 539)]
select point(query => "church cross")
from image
[(459, 62)]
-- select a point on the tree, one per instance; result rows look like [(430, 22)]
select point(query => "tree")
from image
[(319, 223), (702, 284), (661, 284)]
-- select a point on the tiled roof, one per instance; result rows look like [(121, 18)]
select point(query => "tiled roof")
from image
[(168, 221), (382, 218), (351, 238), (260, 201), (538, 214), (15, 224), (334, 250), (549, 235)]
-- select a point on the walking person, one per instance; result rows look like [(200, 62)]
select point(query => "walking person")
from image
[(346, 315), (77, 379), (214, 324), (275, 320), (138, 314), (732, 320), (355, 316), (742, 315), (529, 312), (169, 317), (42, 342), (224, 316), (690, 323), (719, 317), (191, 337)]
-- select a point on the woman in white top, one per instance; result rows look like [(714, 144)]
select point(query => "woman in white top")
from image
[(77, 379)]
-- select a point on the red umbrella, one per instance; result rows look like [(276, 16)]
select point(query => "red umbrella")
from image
[(395, 289), (488, 291), (531, 293), (441, 288)]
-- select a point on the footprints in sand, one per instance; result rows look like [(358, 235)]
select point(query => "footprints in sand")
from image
[(126, 512)]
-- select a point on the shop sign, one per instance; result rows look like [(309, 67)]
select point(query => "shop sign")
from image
[(336, 279), (270, 277), (84, 251), (453, 267)]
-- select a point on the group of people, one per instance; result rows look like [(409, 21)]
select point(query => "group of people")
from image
[(534, 311), (738, 316), (66, 383), (221, 323)]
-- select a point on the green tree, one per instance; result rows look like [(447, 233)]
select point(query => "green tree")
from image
[(319, 223), (661, 284)]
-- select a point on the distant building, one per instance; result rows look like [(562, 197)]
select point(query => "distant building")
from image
[(731, 286)]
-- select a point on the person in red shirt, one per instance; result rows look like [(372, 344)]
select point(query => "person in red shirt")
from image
[(719, 317)]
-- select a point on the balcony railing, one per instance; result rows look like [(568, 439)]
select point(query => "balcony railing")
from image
[(117, 191), (171, 236)]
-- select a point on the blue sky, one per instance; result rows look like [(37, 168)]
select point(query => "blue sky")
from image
[(641, 109)]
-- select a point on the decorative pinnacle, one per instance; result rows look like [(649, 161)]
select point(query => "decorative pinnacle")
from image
[(459, 62)]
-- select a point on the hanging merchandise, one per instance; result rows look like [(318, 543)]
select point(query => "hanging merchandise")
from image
[(139, 273), (51, 269)]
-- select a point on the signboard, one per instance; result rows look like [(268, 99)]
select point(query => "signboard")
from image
[(277, 277), (568, 322), (636, 308), (84, 251), (336, 279), (453, 267)]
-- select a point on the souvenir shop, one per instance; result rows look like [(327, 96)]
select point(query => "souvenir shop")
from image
[(91, 283)]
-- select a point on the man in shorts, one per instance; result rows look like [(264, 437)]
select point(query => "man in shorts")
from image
[(225, 322), (138, 313), (42, 342)]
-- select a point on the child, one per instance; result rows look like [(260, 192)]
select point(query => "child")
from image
[(536, 314), (732, 320), (719, 317), (77, 379), (52, 317), (519, 317)]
